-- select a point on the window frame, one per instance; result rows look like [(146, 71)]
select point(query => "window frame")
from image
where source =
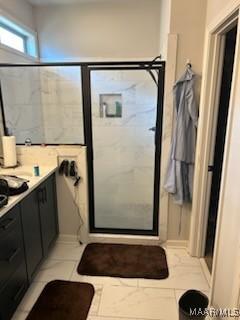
[(17, 28), (20, 35)]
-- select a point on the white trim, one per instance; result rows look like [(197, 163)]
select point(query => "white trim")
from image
[(214, 31), (18, 53), (112, 238), (179, 244), (236, 288), (206, 272), (167, 131), (210, 87), (128, 239), (67, 238), (205, 144)]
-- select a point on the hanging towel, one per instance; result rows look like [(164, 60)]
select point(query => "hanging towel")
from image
[(179, 175)]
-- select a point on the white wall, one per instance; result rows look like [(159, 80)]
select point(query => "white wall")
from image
[(109, 30), (188, 23), (214, 7), (21, 10)]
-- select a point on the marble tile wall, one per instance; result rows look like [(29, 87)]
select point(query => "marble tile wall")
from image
[(62, 105), (43, 104), (124, 147), (67, 195), (22, 103), (124, 150)]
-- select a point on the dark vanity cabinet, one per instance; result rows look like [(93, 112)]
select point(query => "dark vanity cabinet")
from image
[(40, 223), (32, 232), (13, 274), (26, 234), (48, 213)]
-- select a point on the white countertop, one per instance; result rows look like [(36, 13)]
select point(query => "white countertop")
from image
[(25, 172)]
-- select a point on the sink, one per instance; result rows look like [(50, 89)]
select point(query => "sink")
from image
[(22, 173), (18, 173)]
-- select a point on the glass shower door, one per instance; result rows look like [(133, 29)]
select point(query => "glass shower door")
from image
[(124, 112)]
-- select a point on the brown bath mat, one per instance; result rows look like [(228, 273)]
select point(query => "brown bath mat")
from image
[(125, 261), (61, 300)]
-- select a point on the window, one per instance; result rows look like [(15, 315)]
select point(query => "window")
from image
[(17, 37), (13, 40)]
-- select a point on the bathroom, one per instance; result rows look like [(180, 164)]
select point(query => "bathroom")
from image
[(87, 91)]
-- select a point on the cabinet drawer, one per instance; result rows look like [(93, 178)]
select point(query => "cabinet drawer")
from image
[(11, 254), (12, 293), (9, 221)]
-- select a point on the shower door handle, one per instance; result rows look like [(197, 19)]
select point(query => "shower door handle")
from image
[(152, 129), (210, 168)]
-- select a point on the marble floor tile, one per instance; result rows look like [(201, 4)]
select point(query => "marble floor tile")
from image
[(147, 303), (119, 298), (180, 257), (55, 270), (180, 277), (96, 300), (67, 251), (31, 296), (103, 280)]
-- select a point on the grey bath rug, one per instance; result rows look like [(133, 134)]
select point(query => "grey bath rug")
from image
[(124, 261)]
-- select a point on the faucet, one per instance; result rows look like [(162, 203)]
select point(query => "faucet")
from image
[(28, 142)]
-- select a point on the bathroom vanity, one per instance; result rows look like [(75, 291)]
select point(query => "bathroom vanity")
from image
[(28, 228)]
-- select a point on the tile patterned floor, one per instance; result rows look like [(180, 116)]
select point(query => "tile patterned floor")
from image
[(121, 299)]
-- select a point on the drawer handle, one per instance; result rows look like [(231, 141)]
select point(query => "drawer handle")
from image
[(8, 224), (19, 292), (10, 259), (41, 195)]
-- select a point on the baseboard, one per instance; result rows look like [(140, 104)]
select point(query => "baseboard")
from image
[(206, 272), (127, 239), (113, 238), (67, 238), (177, 244)]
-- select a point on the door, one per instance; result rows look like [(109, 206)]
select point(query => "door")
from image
[(215, 168), (31, 232), (48, 212), (125, 124)]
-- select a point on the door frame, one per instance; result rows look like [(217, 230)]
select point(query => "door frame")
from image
[(214, 44), (206, 129), (87, 113)]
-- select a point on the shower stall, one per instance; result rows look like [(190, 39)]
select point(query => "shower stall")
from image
[(115, 109)]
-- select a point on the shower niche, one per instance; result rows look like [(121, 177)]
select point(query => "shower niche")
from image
[(110, 105)]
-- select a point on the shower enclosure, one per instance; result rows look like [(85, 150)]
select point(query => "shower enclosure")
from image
[(115, 109)]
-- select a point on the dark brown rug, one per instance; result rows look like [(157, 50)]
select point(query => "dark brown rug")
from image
[(61, 300), (124, 261)]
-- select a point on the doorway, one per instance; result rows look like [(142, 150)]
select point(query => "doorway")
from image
[(218, 142), (123, 121)]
